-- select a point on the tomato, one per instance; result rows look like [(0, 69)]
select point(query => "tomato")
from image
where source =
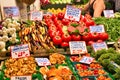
[(55, 20), (87, 37), (104, 36), (89, 23), (65, 21), (52, 34), (47, 16), (90, 42), (99, 41), (52, 28), (57, 40), (76, 37), (95, 36), (54, 16), (60, 15), (64, 44), (66, 37)]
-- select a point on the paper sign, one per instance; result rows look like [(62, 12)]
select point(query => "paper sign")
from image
[(86, 60), (72, 13), (36, 15), (98, 29), (11, 11), (42, 61), (99, 46), (77, 47), (20, 51), (21, 78), (108, 13)]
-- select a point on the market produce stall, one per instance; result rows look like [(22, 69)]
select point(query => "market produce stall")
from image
[(60, 44)]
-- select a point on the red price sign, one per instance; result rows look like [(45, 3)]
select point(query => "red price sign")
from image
[(72, 13), (21, 78), (77, 47), (36, 15), (87, 60), (42, 61), (20, 51)]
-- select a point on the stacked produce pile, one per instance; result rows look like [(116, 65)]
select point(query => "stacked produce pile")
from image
[(62, 30), (8, 33), (92, 71), (110, 60)]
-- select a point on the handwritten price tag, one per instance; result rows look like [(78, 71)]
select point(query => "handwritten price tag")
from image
[(42, 61), (98, 29), (87, 60), (72, 13), (21, 78), (36, 15), (11, 11), (99, 46), (108, 13), (77, 47), (20, 51)]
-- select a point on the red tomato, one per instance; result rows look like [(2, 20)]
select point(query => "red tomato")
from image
[(89, 23), (57, 40), (54, 16), (95, 36), (90, 42), (47, 16), (60, 15), (99, 41), (66, 37), (64, 44), (52, 34), (65, 21), (52, 28), (104, 36), (76, 37), (87, 37)]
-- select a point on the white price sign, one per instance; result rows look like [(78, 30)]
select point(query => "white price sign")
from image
[(21, 78), (12, 11), (20, 51), (72, 13), (86, 60), (36, 15), (99, 46), (98, 29), (108, 13), (77, 47), (42, 61)]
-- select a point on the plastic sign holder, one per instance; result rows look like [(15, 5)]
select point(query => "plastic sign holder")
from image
[(72, 13), (12, 11), (21, 78), (108, 13), (97, 29), (87, 60), (77, 47), (99, 46), (43, 61), (20, 51), (36, 15)]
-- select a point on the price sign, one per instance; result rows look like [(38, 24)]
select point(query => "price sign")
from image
[(98, 29), (42, 61), (86, 60), (72, 13), (99, 46), (36, 15), (11, 11), (20, 51), (77, 47), (108, 13), (21, 78)]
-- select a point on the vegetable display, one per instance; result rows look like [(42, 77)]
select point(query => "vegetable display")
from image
[(111, 26)]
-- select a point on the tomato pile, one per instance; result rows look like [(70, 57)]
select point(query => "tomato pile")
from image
[(63, 30)]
